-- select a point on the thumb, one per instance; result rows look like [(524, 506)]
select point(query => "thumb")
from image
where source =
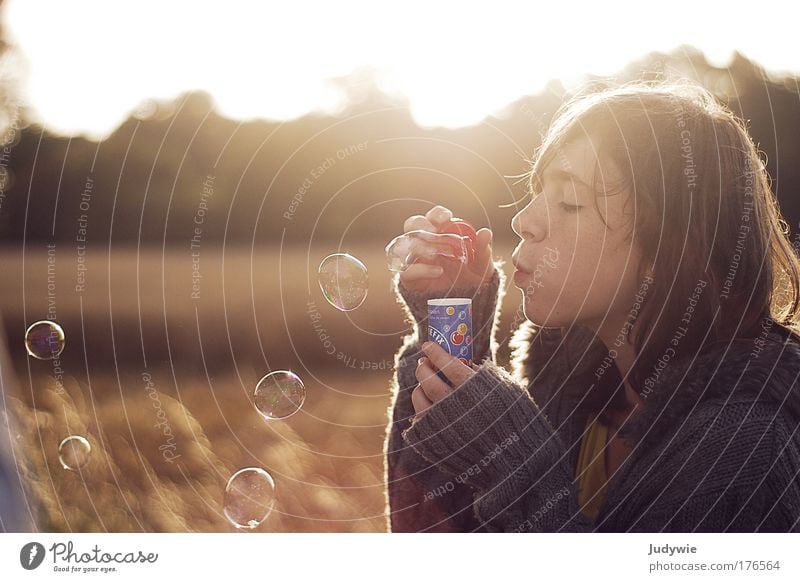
[(455, 370)]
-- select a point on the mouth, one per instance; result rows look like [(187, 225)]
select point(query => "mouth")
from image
[(519, 268), (520, 274), (521, 277)]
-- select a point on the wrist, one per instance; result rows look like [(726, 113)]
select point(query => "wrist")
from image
[(485, 431)]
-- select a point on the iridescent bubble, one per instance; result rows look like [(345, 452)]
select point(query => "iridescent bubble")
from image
[(279, 395), (398, 253), (343, 280), (74, 452), (414, 245), (249, 497), (44, 340)]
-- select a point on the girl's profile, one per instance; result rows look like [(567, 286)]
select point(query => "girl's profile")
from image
[(653, 384)]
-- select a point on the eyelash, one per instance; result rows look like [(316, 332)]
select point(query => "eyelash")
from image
[(569, 208)]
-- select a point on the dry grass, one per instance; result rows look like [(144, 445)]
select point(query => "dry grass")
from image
[(326, 460), (205, 358)]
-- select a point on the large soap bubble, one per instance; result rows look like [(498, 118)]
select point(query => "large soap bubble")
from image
[(279, 395), (343, 280)]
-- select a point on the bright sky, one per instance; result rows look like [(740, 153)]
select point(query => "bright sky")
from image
[(90, 63)]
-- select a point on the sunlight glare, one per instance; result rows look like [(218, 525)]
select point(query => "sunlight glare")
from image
[(90, 63)]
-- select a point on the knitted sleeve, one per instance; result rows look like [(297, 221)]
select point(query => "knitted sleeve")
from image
[(491, 435), (730, 468), (733, 468), (421, 497)]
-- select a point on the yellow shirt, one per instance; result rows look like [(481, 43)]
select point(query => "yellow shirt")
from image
[(591, 469)]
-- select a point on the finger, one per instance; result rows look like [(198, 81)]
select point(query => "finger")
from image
[(455, 370), (483, 249), (420, 272), (438, 215), (433, 386), (418, 222), (483, 242), (419, 401)]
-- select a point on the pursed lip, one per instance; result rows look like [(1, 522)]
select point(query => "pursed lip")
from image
[(518, 266), (521, 275)]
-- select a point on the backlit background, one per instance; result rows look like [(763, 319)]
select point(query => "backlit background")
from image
[(290, 131)]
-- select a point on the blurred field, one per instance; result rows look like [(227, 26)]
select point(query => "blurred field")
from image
[(135, 317)]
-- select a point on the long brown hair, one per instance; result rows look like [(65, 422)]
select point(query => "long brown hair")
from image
[(704, 217)]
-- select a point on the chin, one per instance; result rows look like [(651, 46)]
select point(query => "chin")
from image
[(538, 319), (546, 318)]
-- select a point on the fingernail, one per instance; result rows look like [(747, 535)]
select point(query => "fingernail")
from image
[(420, 361)]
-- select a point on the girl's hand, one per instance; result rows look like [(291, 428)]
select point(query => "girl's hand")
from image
[(441, 274), (431, 387)]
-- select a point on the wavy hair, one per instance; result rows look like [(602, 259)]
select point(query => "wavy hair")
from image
[(704, 216)]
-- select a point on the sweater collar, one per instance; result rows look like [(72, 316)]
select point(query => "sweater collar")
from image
[(762, 368)]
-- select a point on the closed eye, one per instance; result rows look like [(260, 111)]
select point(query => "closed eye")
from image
[(571, 209)]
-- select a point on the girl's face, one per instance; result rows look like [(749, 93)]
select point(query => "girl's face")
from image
[(571, 267)]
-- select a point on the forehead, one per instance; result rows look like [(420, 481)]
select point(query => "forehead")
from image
[(579, 157)]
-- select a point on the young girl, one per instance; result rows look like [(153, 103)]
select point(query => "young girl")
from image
[(654, 383)]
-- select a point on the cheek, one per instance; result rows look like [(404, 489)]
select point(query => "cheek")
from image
[(583, 262), (584, 270), (596, 269), (616, 265)]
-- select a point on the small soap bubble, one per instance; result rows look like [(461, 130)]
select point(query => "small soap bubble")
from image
[(343, 280), (279, 395), (44, 340), (249, 497), (398, 253), (74, 452)]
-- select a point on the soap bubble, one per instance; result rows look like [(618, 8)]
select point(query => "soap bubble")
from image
[(343, 280), (279, 395), (249, 497), (44, 340), (405, 249), (73, 452)]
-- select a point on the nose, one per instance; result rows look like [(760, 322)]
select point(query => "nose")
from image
[(525, 225)]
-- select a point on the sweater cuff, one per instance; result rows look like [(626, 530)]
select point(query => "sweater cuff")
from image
[(485, 301), (488, 432)]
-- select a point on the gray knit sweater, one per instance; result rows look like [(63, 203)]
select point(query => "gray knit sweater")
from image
[(717, 445)]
